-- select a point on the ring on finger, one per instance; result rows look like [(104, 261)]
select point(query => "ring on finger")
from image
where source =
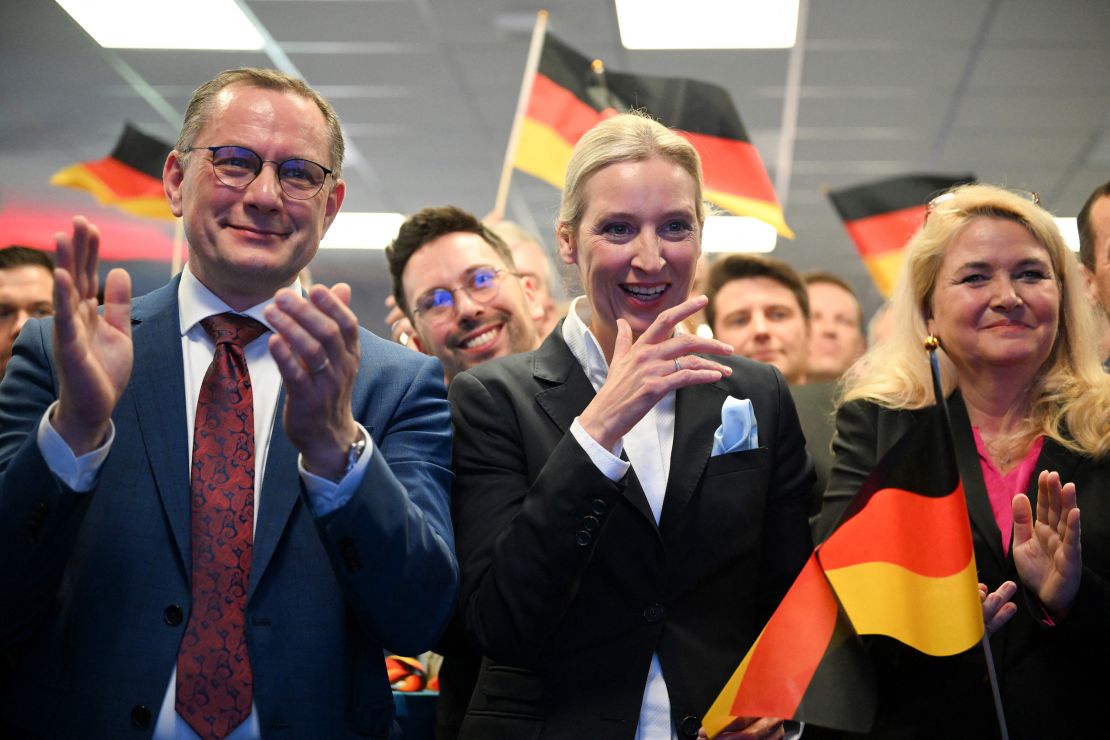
[(321, 367), (677, 365)]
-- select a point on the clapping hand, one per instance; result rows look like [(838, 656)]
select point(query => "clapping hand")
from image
[(1047, 551)]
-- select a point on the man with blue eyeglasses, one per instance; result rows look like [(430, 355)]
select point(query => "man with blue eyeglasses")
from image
[(220, 502), (456, 282)]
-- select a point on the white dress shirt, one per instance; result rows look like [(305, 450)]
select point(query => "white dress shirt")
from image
[(197, 302), (648, 446)]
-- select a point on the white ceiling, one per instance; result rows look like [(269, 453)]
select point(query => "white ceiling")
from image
[(1017, 91)]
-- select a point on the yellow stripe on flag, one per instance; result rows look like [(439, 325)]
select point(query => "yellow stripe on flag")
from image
[(938, 616), (761, 209), (720, 714), (884, 269), (77, 176), (542, 153)]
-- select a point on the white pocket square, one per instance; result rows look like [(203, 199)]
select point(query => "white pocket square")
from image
[(738, 430)]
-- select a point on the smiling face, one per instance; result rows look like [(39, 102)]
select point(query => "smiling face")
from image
[(761, 318), (475, 332), (246, 243), (637, 243), (996, 303)]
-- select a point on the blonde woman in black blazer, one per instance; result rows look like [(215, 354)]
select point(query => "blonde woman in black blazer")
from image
[(614, 601)]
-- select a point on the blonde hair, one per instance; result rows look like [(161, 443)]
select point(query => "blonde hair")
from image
[(1070, 396), (628, 137)]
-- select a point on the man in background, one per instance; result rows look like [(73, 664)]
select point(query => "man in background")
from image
[(26, 291), (1093, 223), (457, 283), (760, 306), (534, 265), (835, 326)]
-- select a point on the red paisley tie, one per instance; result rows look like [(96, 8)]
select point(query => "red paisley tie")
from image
[(214, 679)]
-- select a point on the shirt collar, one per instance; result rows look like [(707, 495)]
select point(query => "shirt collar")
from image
[(583, 344), (196, 302)]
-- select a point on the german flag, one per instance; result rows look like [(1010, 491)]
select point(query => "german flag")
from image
[(569, 94), (880, 217), (130, 178), (900, 563)]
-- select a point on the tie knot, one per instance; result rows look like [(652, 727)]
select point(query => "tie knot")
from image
[(233, 328)]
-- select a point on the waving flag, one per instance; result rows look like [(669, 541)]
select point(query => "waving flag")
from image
[(570, 93), (900, 563), (880, 217), (130, 178)]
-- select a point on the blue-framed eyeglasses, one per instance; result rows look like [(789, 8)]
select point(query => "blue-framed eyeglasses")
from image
[(481, 284), (238, 167)]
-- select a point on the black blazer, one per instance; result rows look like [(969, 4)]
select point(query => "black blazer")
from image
[(569, 586), (1054, 681)]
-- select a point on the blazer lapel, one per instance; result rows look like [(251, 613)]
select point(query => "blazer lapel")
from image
[(697, 416), (975, 490), (565, 393), (158, 389)]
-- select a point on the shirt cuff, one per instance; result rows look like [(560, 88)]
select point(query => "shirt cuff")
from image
[(607, 461), (325, 496), (79, 473)]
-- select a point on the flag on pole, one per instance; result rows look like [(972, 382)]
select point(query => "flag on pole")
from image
[(570, 93), (880, 217), (900, 563), (130, 178)]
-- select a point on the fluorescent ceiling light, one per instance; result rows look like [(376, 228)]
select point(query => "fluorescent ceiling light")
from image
[(708, 24), (165, 24), (362, 230), (737, 234), (1069, 229)]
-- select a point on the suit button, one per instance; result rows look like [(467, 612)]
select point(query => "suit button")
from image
[(582, 538), (172, 615), (688, 727), (140, 716), (598, 507), (591, 523), (654, 614)]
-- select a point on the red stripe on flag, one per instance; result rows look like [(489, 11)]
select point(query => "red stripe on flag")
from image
[(124, 181), (733, 166), (888, 529), (561, 110), (887, 232), (801, 628)]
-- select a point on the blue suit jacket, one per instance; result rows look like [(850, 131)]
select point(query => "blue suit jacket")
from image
[(95, 587)]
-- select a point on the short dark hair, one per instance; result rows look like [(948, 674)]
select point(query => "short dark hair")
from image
[(829, 277), (1083, 223), (17, 256), (745, 266), (428, 225)]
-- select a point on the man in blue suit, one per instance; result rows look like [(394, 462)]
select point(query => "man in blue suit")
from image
[(352, 549)]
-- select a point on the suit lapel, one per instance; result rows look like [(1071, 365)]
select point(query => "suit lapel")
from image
[(975, 490), (565, 393), (158, 389), (697, 416)]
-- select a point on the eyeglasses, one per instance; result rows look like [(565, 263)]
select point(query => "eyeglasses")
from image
[(237, 167), (939, 201), (480, 284)]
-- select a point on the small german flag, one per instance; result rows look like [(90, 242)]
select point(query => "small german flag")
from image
[(569, 94), (129, 179), (899, 563), (880, 217)]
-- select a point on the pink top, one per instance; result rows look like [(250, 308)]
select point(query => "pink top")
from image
[(1001, 488)]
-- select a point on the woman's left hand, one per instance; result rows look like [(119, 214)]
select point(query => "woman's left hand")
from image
[(749, 728), (1047, 551), (998, 607)]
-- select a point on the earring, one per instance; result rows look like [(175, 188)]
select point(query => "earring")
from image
[(932, 342)]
